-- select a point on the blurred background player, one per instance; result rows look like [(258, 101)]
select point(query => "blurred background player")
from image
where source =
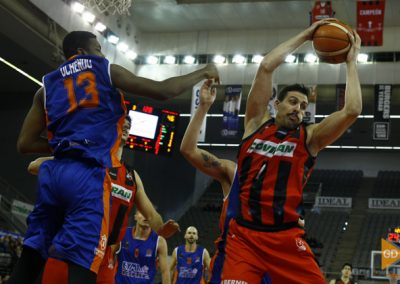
[(346, 275), (275, 159), (141, 253), (189, 261), (127, 190), (83, 111)]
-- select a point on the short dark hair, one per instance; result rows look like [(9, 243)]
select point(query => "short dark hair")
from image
[(347, 264), (293, 88), (75, 40)]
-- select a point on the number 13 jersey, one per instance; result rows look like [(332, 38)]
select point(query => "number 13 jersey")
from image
[(84, 111), (274, 165)]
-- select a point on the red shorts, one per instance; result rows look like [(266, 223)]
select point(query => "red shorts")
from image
[(108, 269), (284, 256)]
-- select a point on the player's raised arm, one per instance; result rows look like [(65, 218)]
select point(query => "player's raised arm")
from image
[(261, 89), (220, 169), (159, 90), (173, 263), (332, 127), (30, 139), (162, 254)]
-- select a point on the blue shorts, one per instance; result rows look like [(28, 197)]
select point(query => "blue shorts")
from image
[(70, 219)]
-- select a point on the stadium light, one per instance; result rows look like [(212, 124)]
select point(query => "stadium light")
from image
[(290, 58), (113, 39), (310, 58), (169, 59), (219, 59), (257, 58), (100, 27), (123, 47), (362, 58), (188, 59), (131, 55), (88, 17), (239, 59), (77, 7), (152, 59)]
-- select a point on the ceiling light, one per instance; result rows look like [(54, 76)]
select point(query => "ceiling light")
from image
[(122, 46), (88, 17), (290, 58), (113, 39), (257, 58), (77, 7), (188, 59), (131, 55), (362, 58), (310, 58), (219, 59), (169, 59), (239, 59), (100, 27), (152, 59)]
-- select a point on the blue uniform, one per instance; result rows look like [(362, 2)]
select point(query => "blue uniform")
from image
[(189, 266), (85, 114), (137, 259)]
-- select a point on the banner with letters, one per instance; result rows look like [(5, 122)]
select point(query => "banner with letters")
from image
[(21, 208), (230, 110), (370, 16), (333, 201), (194, 105), (340, 91), (383, 203), (321, 10), (309, 115), (381, 125)]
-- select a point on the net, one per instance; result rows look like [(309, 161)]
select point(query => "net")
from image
[(110, 6)]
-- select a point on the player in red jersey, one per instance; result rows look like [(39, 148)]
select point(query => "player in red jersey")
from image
[(345, 278), (127, 191), (275, 160), (83, 111)]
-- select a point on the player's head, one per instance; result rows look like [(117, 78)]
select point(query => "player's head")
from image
[(291, 104), (191, 235), (81, 43), (346, 270), (141, 220), (125, 129)]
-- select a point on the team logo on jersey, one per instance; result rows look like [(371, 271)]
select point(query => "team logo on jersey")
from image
[(300, 245), (270, 149), (189, 260), (128, 176), (120, 192), (136, 253), (149, 253), (197, 259)]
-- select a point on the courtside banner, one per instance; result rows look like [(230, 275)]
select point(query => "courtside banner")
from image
[(340, 91), (309, 115), (333, 201), (21, 208), (321, 10), (383, 203), (381, 125), (230, 110), (370, 16), (194, 106)]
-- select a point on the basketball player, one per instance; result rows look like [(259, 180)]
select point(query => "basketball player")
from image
[(127, 190), (275, 160), (189, 260), (84, 112), (346, 275), (141, 252)]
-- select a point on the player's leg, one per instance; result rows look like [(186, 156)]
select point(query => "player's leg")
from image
[(241, 264)]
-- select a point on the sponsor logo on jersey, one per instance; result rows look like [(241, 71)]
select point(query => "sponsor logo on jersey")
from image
[(233, 282), (270, 149), (187, 272), (135, 270), (136, 253), (149, 252), (300, 245), (120, 192)]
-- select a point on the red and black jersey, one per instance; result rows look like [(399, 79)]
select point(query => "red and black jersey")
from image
[(122, 199), (340, 281), (274, 165)]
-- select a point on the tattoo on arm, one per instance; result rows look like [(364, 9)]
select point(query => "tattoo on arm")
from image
[(209, 161)]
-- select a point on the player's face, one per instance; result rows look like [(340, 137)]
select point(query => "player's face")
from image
[(93, 48), (141, 220), (191, 235), (125, 130), (290, 111), (346, 271)]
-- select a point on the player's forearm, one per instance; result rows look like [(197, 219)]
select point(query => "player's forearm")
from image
[(165, 277), (155, 221), (31, 146), (189, 141), (277, 56), (353, 98)]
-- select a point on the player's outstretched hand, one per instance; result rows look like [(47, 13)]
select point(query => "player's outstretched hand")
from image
[(168, 229), (212, 73), (355, 47)]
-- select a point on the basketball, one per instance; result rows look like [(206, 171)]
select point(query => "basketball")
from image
[(331, 42)]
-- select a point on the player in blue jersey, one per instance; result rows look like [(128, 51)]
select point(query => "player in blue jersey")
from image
[(83, 110), (141, 253), (189, 261)]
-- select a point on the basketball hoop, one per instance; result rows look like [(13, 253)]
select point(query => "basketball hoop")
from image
[(110, 6)]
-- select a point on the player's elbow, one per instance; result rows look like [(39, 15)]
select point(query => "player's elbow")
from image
[(354, 111), (267, 65), (23, 145)]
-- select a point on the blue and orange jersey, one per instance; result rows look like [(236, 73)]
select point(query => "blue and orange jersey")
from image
[(189, 266), (137, 259), (84, 111), (274, 165)]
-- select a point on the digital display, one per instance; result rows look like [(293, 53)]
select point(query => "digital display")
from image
[(152, 129), (394, 235)]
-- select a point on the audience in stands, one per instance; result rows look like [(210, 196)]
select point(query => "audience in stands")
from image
[(10, 251)]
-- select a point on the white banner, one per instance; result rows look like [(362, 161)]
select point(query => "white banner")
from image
[(21, 208), (194, 106), (384, 203), (333, 201), (271, 103)]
